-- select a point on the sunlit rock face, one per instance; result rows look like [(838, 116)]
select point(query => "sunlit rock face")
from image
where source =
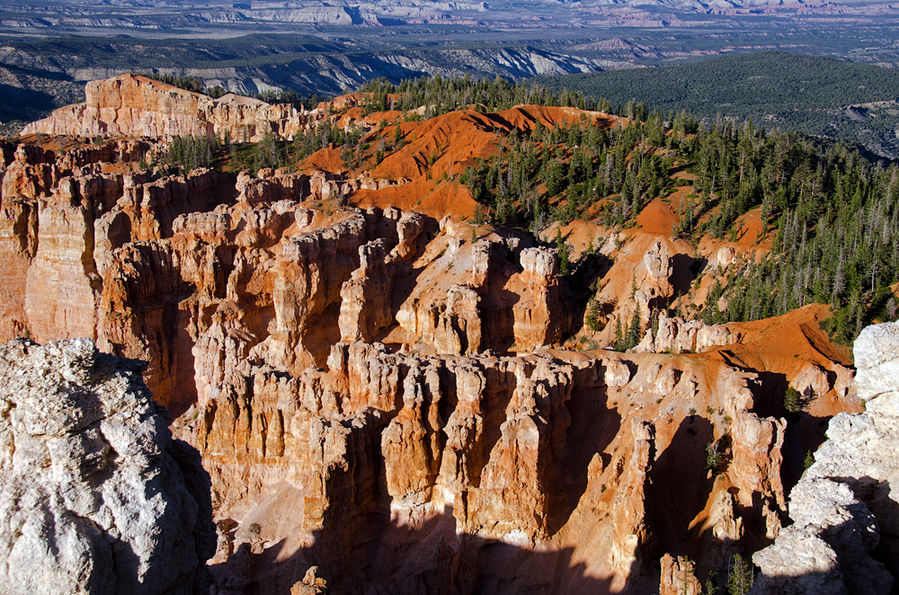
[(394, 398), (135, 106)]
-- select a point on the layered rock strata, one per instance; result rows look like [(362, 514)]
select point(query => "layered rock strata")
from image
[(135, 106)]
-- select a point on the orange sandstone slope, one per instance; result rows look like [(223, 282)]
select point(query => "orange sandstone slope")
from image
[(447, 143), (439, 149), (396, 396)]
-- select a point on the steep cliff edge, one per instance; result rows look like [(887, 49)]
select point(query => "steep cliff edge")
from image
[(96, 496), (845, 509)]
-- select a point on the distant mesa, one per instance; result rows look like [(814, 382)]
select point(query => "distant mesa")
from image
[(131, 105)]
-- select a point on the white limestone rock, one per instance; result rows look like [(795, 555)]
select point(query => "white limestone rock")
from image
[(657, 261), (847, 502), (541, 262), (877, 361), (95, 496)]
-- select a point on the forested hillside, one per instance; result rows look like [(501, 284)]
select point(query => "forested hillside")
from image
[(832, 213), (811, 94), (828, 215)]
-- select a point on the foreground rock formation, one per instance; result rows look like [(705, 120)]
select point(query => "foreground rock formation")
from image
[(96, 496), (845, 532)]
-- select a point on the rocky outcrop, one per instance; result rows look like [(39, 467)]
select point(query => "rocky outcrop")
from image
[(364, 298), (675, 335), (678, 576), (135, 106), (657, 262), (540, 320), (845, 532), (96, 496)]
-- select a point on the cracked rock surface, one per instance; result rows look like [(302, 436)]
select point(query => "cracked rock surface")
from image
[(845, 509), (95, 495)]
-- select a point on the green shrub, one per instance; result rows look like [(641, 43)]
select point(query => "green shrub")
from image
[(793, 400), (740, 576)]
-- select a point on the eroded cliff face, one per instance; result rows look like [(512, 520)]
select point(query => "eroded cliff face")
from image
[(135, 106), (845, 532), (549, 452), (383, 395), (96, 496)]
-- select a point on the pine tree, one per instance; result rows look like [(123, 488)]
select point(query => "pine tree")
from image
[(594, 309), (633, 331), (563, 251), (740, 577), (619, 335)]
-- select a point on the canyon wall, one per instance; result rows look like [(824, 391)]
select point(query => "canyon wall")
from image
[(381, 397)]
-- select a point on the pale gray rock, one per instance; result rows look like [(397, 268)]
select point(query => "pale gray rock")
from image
[(617, 373), (657, 261), (725, 257), (877, 361), (811, 562), (845, 509), (95, 496), (542, 262), (675, 335)]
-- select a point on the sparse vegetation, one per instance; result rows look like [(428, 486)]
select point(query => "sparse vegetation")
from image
[(832, 214), (740, 577), (563, 250), (792, 400), (795, 401), (439, 95), (709, 587), (715, 457), (191, 152), (580, 170), (592, 315), (808, 461)]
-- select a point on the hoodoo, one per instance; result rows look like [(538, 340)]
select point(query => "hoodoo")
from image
[(487, 350)]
